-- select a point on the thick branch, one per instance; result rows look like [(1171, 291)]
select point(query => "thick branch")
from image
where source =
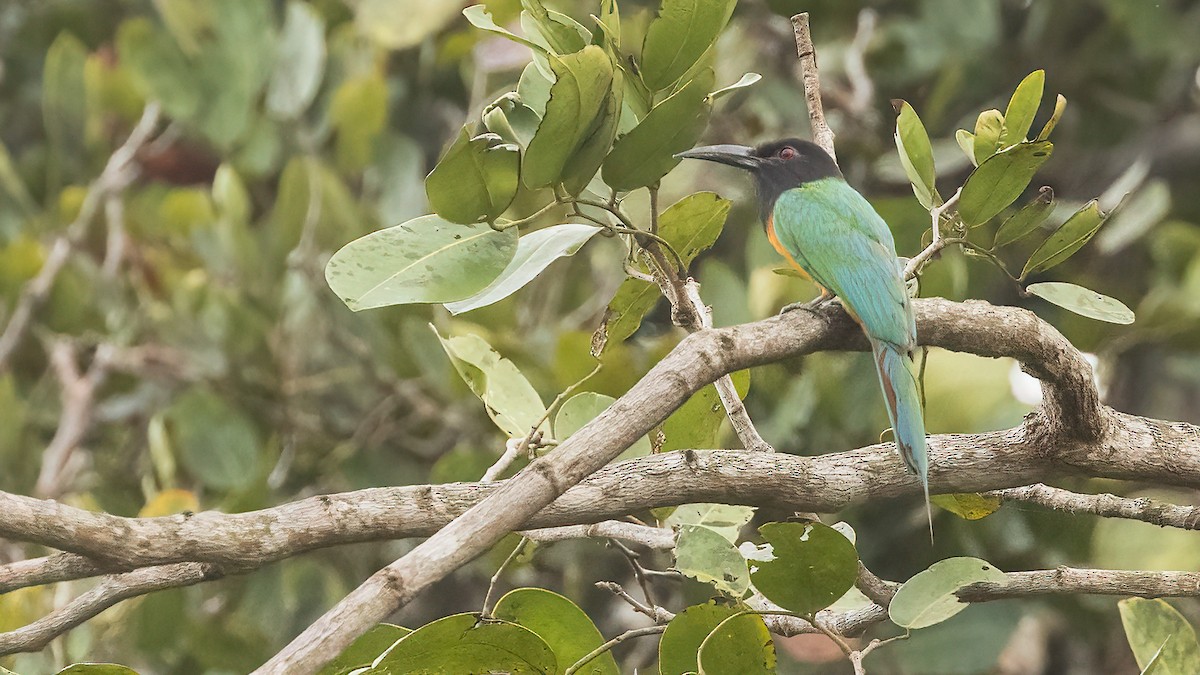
[(1110, 506)]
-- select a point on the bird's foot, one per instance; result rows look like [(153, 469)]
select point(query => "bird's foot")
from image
[(813, 305)]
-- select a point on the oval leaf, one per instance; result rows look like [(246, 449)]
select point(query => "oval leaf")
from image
[(582, 82), (692, 224), (535, 252), (645, 154), (583, 408), (1068, 239), (708, 557), (1022, 107), (426, 259), (930, 597), (724, 519), (365, 649), (999, 180), (741, 645), (561, 624), (1158, 633), (511, 402), (988, 128), (1083, 301), (1029, 218), (916, 154), (969, 505), (475, 180), (679, 649), (813, 566), (679, 36), (299, 62), (462, 644), (217, 442)]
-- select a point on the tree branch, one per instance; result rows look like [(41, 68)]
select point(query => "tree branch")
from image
[(822, 134), (1107, 505)]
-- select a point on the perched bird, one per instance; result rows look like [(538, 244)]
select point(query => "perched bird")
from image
[(832, 235)]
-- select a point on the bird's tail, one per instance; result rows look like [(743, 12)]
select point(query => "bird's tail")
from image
[(898, 379)]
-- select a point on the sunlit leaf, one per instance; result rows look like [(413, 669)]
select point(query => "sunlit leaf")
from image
[(299, 61), (696, 423), (679, 648), (1147, 207), (916, 154), (561, 33), (988, 128), (813, 566), (1068, 239), (930, 596), (971, 505), (535, 252), (681, 33), (475, 180), (706, 556), (424, 260), (358, 113), (1027, 220), (1022, 108), (724, 519), (999, 180), (400, 24), (97, 669), (577, 98), (481, 18), (561, 624), (462, 644), (170, 502), (742, 645), (1083, 301), (645, 154), (1155, 629), (1060, 104), (692, 224), (511, 402), (966, 142)]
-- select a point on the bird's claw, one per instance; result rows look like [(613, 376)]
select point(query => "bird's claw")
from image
[(812, 305)]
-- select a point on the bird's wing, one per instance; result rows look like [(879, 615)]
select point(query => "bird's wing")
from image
[(839, 239)]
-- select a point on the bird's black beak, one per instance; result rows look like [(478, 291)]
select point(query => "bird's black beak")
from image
[(741, 156)]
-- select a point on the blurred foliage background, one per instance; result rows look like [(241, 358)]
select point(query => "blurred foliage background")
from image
[(243, 382)]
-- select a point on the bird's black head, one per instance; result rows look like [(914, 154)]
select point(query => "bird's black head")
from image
[(777, 166)]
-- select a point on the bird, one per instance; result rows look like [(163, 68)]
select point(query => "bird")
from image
[(832, 235)]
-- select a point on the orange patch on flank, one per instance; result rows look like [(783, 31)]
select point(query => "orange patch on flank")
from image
[(783, 251)]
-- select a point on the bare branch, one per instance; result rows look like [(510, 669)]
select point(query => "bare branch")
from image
[(117, 174), (822, 134), (1085, 581), (1106, 505)]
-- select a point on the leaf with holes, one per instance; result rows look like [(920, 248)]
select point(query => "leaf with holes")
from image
[(813, 565), (1158, 633), (511, 402)]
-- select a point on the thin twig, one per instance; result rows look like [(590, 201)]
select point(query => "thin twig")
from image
[(659, 615), (917, 262), (486, 612), (822, 134), (639, 572), (118, 173), (627, 635), (1106, 505)]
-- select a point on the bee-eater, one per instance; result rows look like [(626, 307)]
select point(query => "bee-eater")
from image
[(832, 235)]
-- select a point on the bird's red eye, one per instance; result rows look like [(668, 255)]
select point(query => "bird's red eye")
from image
[(787, 152)]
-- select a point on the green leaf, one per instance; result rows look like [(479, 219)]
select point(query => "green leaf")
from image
[(511, 119), (400, 24), (679, 649), (475, 180), (708, 557), (479, 17), (577, 97), (1068, 239), (561, 624), (1029, 218), (745, 81), (229, 195), (969, 505), (742, 645), (511, 402), (692, 224), (966, 141), (1083, 301), (676, 39), (1060, 104), (97, 669), (64, 100), (1153, 626), (1147, 207), (583, 408), (561, 33), (813, 566), (461, 644), (535, 252), (582, 167), (533, 89), (999, 180), (426, 259), (158, 67), (645, 154), (988, 128), (726, 520), (1022, 108), (365, 649), (916, 154), (608, 19), (697, 422), (299, 62), (930, 597), (358, 113), (217, 442), (634, 299)]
